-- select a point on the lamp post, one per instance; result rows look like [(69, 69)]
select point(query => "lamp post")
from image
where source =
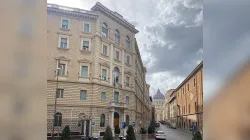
[(57, 73)]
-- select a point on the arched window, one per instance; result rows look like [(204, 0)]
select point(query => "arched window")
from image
[(102, 121), (116, 75), (58, 119), (104, 29), (127, 42), (117, 36), (127, 120)]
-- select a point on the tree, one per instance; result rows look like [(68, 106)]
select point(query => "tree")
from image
[(108, 134), (66, 133), (197, 136), (117, 129), (130, 133)]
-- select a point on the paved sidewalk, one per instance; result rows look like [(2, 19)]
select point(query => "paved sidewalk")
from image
[(184, 130)]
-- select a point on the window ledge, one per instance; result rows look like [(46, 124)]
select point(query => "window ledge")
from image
[(66, 75), (83, 77), (63, 29), (128, 64), (63, 48), (104, 55), (85, 51), (86, 32), (117, 60)]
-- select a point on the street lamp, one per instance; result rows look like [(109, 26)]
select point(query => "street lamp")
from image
[(57, 73)]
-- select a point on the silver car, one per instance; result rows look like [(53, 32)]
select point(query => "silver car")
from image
[(160, 135)]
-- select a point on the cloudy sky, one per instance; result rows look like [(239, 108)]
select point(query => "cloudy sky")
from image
[(172, 37)]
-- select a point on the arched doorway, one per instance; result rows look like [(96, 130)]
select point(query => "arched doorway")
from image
[(116, 119), (127, 120)]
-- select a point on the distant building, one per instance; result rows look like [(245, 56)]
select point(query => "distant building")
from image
[(158, 101)]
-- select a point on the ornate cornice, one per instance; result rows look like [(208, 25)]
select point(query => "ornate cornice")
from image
[(113, 15), (62, 58), (74, 12), (84, 61), (128, 72)]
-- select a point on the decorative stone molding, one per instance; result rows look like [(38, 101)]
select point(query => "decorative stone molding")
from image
[(105, 64), (62, 58), (64, 33), (74, 12), (84, 61), (128, 72)]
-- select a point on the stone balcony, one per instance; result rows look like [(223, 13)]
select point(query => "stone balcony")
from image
[(119, 105)]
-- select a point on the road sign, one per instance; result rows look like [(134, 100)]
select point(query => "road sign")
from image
[(123, 124), (133, 123), (93, 123)]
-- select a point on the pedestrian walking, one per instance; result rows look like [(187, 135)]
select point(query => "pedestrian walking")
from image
[(194, 129)]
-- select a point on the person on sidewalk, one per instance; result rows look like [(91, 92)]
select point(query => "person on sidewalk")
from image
[(194, 129)]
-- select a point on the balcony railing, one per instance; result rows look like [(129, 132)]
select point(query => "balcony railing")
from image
[(118, 104)]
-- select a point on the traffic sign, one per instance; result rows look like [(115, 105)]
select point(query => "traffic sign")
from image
[(123, 124), (133, 123), (93, 123)]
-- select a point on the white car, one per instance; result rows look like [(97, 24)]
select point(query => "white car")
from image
[(160, 135)]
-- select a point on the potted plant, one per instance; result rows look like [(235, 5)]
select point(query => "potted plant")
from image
[(108, 134), (66, 133), (151, 131), (144, 132), (130, 133), (117, 131), (197, 136)]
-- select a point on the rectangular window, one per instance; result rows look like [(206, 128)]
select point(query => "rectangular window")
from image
[(117, 55), (65, 24), (103, 96), (116, 97), (188, 87), (83, 94), (189, 108), (127, 100), (104, 74), (59, 93), (84, 71), (86, 27), (127, 81), (105, 50), (196, 107), (128, 44), (194, 82), (85, 45), (64, 42), (128, 59), (62, 70)]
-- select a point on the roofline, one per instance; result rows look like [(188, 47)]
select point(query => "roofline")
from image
[(77, 12), (189, 76), (100, 7)]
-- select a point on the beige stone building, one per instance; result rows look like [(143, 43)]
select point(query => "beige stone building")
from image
[(101, 77), (173, 110)]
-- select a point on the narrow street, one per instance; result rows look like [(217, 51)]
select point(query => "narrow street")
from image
[(174, 134)]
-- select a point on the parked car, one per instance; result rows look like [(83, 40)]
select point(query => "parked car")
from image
[(160, 135), (157, 124), (173, 127)]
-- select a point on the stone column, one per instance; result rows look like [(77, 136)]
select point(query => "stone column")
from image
[(90, 128), (111, 64), (112, 111), (84, 127), (122, 75)]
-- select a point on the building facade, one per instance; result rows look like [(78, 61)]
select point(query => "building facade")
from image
[(189, 99), (172, 108), (95, 71), (158, 101)]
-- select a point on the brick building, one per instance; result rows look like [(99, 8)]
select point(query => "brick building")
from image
[(101, 78), (189, 99)]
